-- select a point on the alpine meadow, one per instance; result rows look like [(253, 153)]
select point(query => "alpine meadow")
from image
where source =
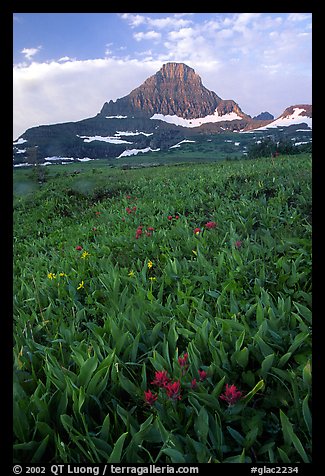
[(163, 314)]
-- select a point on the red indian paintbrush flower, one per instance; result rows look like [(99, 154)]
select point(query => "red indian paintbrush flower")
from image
[(203, 375), (173, 390), (196, 231), (238, 244), (183, 360), (78, 248), (210, 224), (161, 378), (150, 397), (231, 395)]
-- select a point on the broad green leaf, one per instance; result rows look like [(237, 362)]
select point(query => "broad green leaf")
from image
[(250, 395), (40, 450), (236, 436), (306, 375), (175, 455), (291, 438), (201, 425), (307, 414), (241, 357), (87, 370), (283, 455), (105, 429), (115, 456), (267, 364)]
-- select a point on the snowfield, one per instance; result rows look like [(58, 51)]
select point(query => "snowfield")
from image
[(196, 122), (129, 152), (289, 120), (111, 140)]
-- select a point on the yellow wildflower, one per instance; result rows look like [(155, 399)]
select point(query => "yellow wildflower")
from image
[(131, 274), (81, 285), (84, 254), (152, 278), (194, 252), (150, 264), (51, 276), (62, 274)]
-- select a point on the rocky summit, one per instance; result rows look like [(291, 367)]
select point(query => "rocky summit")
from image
[(170, 106)]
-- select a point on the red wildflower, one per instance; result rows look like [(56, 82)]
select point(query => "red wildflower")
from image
[(203, 375), (231, 395), (78, 248), (138, 233), (97, 213), (134, 208), (128, 210), (197, 231), (193, 383), (183, 360), (238, 244), (150, 397), (161, 378), (169, 217), (173, 390), (210, 225), (150, 228), (148, 233), (176, 217), (128, 197)]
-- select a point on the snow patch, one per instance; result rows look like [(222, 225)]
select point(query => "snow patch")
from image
[(181, 142), (129, 133), (116, 117), (129, 152), (85, 159), (285, 121), (20, 141), (23, 165), (196, 122), (111, 140)]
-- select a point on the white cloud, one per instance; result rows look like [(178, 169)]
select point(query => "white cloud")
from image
[(30, 52), (55, 92), (149, 35)]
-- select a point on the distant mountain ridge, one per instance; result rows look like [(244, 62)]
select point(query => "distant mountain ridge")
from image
[(168, 107), (264, 116)]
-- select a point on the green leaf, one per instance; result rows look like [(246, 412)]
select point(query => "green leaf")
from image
[(105, 429), (306, 375), (236, 436), (250, 395), (201, 425), (128, 386), (40, 450), (87, 370), (98, 382), (284, 457), (267, 364), (240, 340), (175, 455), (304, 312), (306, 414), (115, 456), (241, 357), (291, 438)]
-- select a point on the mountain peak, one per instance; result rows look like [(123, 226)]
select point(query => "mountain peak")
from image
[(177, 70), (174, 90)]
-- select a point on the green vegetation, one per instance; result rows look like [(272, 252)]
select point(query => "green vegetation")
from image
[(197, 275)]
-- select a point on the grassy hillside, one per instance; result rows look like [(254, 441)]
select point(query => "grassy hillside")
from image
[(163, 314)]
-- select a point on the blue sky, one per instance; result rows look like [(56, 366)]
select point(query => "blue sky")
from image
[(66, 65)]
